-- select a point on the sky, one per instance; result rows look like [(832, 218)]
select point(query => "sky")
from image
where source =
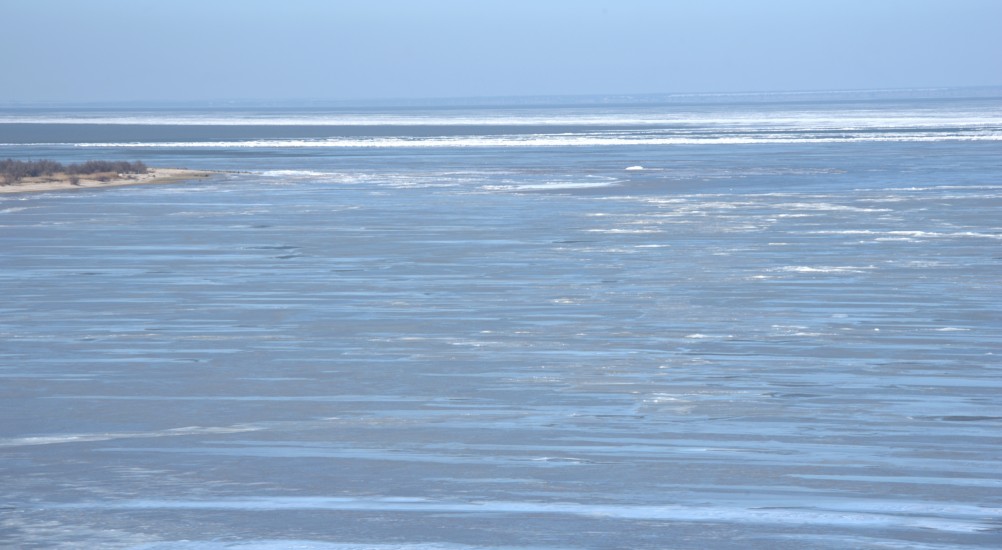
[(206, 50)]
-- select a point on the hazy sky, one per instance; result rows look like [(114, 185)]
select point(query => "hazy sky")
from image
[(114, 50)]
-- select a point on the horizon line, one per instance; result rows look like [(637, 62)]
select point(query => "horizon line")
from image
[(932, 92)]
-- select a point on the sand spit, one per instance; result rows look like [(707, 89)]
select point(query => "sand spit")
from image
[(63, 182)]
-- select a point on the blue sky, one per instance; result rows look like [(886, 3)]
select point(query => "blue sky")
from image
[(129, 50)]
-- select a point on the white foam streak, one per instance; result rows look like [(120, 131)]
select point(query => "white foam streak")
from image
[(857, 513), (537, 140), (292, 544), (550, 186), (910, 234), (803, 119), (108, 436), (824, 269)]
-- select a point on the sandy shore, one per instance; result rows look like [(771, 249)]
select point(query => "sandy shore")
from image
[(62, 182)]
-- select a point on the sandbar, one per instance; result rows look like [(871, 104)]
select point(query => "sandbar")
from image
[(63, 182)]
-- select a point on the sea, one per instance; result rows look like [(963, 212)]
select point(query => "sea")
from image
[(718, 321)]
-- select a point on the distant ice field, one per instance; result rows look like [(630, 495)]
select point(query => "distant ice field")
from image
[(597, 125)]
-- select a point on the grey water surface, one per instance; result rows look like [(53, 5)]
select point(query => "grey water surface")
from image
[(766, 342)]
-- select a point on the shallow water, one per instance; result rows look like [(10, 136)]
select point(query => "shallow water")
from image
[(784, 345)]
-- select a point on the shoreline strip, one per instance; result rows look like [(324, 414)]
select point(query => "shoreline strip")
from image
[(61, 182)]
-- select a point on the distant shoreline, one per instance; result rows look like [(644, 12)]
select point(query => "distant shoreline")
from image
[(62, 181), (988, 91)]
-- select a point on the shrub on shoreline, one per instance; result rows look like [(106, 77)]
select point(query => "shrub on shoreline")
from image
[(12, 171)]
